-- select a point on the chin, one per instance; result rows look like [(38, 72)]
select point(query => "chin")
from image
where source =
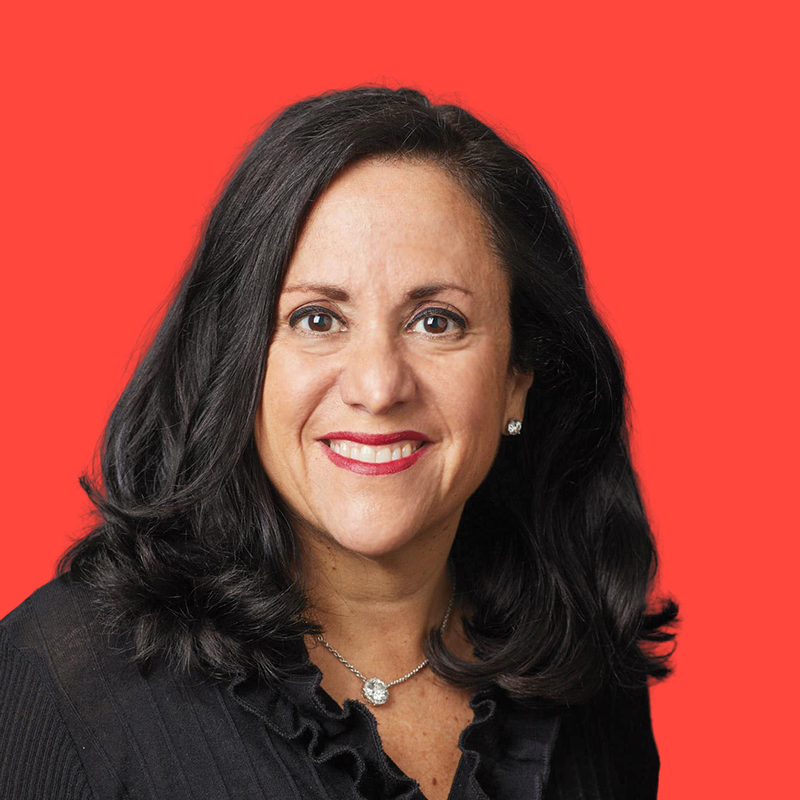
[(372, 544)]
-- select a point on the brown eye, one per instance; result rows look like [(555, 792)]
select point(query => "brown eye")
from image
[(317, 320), (320, 323), (436, 324)]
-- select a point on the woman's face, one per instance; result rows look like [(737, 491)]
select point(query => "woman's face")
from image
[(374, 336)]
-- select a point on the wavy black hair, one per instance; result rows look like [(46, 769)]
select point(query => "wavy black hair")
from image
[(192, 553)]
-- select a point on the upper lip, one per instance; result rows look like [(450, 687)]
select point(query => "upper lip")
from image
[(377, 438)]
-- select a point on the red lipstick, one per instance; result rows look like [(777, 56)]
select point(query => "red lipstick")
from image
[(367, 468), (375, 439)]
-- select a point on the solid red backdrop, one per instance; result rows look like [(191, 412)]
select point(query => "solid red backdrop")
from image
[(667, 131)]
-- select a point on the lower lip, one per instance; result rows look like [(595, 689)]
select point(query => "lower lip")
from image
[(365, 468)]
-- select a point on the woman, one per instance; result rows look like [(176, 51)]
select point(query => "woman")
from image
[(368, 525)]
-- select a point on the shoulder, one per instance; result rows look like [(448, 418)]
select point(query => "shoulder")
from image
[(56, 654), (606, 748), (57, 634), (123, 733), (39, 754), (48, 620)]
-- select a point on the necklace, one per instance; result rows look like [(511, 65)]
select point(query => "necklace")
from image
[(374, 689)]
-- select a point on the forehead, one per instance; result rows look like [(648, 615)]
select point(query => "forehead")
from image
[(394, 219)]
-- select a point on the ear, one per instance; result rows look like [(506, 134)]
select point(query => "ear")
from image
[(519, 383)]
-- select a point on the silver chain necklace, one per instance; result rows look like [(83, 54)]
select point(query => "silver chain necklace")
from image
[(374, 689)]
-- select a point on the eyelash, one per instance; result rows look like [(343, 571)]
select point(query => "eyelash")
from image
[(302, 313)]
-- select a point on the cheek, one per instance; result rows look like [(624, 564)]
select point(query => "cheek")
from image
[(473, 400), (484, 391), (292, 390)]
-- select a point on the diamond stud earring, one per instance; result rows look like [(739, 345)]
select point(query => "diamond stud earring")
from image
[(514, 427)]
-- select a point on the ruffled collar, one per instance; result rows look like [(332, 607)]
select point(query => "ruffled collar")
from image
[(505, 745)]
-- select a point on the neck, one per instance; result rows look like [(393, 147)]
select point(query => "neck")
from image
[(377, 611)]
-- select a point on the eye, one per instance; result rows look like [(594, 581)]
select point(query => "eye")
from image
[(435, 321), (320, 320)]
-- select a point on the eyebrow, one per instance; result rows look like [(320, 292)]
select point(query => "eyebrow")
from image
[(341, 295)]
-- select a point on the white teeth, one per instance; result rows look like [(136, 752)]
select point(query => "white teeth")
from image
[(366, 453), (374, 455)]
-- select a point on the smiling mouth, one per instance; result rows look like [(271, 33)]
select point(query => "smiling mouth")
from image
[(373, 454)]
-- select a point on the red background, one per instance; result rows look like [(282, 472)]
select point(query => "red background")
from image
[(669, 132)]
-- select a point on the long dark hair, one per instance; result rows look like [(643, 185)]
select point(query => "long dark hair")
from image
[(193, 551)]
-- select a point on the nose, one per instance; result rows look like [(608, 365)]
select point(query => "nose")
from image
[(377, 375)]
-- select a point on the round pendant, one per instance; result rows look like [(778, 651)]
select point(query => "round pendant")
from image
[(376, 691)]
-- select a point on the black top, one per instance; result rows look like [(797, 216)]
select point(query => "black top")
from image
[(78, 721)]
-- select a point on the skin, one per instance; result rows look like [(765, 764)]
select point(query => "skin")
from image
[(375, 547)]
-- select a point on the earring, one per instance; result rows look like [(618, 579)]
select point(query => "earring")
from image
[(514, 427)]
